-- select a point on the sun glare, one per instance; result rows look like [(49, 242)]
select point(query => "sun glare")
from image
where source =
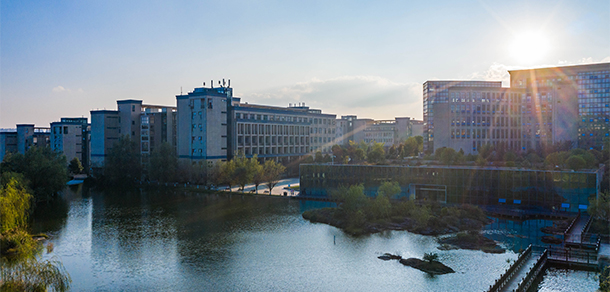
[(529, 47)]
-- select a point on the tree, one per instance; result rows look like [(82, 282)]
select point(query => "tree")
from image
[(14, 203), (376, 153), (430, 257), (273, 172), (448, 156), (44, 170), (352, 198), (20, 270), (600, 207), (122, 165), (227, 173), (75, 166), (389, 189), (163, 163), (381, 207), (259, 174), (576, 162), (319, 157)]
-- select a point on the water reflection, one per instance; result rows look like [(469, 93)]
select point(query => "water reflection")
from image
[(162, 239)]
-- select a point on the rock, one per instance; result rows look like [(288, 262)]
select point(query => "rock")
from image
[(446, 246), (388, 256), (433, 268)]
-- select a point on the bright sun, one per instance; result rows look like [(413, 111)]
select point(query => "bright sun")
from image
[(529, 47)]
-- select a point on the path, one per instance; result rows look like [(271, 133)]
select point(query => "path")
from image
[(514, 281), (576, 231), (277, 190)]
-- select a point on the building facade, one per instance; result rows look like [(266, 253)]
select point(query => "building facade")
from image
[(543, 106), (70, 136), (389, 132), (212, 126), (527, 188)]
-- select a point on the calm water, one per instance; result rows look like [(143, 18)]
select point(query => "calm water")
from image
[(176, 241)]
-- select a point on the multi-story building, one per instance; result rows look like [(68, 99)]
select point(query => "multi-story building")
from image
[(8, 142), (578, 97), (389, 132), (21, 139), (147, 125), (213, 125), (70, 136), (544, 106), (105, 131)]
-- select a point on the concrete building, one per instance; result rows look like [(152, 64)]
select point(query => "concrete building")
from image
[(70, 136), (22, 138), (389, 132), (543, 107), (212, 125), (147, 125), (105, 131), (8, 142)]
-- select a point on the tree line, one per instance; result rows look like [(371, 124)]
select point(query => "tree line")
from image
[(124, 165)]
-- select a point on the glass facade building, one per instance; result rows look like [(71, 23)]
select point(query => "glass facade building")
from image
[(566, 190)]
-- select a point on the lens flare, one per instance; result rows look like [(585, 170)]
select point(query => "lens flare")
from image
[(530, 47)]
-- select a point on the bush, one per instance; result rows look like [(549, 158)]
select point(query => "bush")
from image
[(431, 257)]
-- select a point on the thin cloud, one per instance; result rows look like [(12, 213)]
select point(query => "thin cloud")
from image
[(365, 96), (60, 89)]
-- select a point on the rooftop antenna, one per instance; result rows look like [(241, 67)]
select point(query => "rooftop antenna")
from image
[(223, 82), (180, 90), (211, 83), (229, 83), (203, 84)]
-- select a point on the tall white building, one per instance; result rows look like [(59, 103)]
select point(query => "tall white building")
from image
[(70, 136)]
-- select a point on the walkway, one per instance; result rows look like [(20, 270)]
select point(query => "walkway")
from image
[(574, 234), (262, 189), (514, 281)]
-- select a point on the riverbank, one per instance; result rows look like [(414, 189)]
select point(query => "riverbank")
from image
[(425, 219)]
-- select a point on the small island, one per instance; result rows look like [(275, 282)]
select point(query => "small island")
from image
[(430, 264), (358, 215), (472, 240)]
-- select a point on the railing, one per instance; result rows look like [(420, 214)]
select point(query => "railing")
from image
[(510, 272), (531, 275), (572, 255), (569, 229)]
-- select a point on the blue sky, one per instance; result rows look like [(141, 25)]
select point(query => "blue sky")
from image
[(65, 58)]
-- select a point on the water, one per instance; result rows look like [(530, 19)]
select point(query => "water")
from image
[(168, 240)]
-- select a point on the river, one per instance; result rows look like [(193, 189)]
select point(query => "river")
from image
[(168, 240)]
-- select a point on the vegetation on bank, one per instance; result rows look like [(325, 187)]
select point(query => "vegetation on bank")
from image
[(20, 268), (472, 240), (429, 264), (42, 171), (358, 214)]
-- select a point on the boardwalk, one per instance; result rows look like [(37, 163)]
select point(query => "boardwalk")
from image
[(575, 232), (513, 283)]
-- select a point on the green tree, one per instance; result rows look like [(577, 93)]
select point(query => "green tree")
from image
[(163, 164), (576, 162), (352, 198), (380, 207), (20, 270), (227, 173), (123, 163), (389, 189), (14, 203), (448, 156), (44, 169), (273, 172), (430, 257), (599, 207), (556, 159), (376, 153), (319, 157), (259, 174), (75, 166)]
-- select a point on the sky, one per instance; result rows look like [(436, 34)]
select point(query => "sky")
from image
[(365, 58)]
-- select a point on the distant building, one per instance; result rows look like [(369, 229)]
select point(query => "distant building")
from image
[(22, 138), (528, 188), (212, 125), (389, 132), (543, 106), (147, 125), (70, 136)]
